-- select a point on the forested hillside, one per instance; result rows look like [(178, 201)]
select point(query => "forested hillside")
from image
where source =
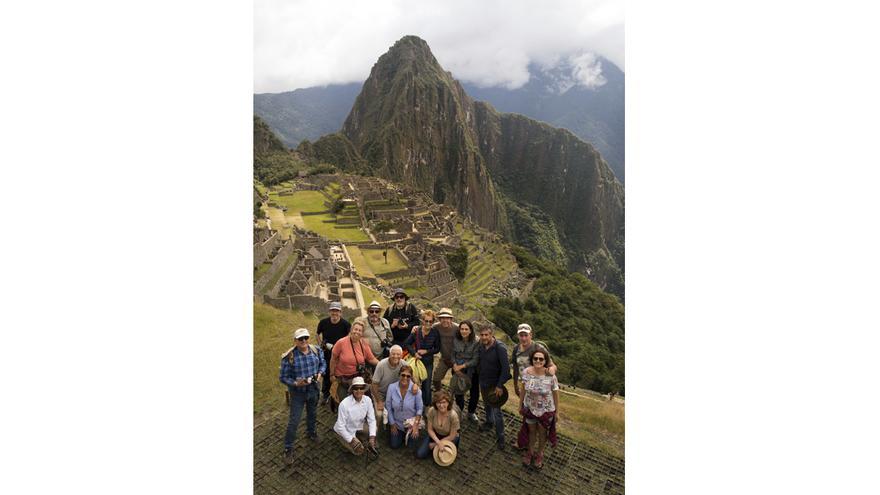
[(582, 325)]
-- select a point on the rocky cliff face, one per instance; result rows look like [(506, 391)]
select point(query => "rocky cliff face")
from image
[(414, 124)]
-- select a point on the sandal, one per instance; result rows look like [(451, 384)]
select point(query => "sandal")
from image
[(539, 461), (527, 458)]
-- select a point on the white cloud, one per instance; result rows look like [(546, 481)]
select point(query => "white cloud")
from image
[(316, 42)]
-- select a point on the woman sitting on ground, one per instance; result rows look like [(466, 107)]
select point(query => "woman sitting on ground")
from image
[(443, 424), (538, 406), (404, 408)]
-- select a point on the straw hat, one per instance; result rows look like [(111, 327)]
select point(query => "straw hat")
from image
[(445, 453), (444, 313), (357, 382)]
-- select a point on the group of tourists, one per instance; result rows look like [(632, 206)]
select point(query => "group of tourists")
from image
[(380, 371)]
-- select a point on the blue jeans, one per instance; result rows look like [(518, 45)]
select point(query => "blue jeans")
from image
[(299, 397), (424, 451), (493, 415), (395, 440)]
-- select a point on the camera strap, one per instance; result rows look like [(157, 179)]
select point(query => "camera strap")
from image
[(355, 354)]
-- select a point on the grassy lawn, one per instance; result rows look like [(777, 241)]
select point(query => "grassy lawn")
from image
[(376, 261), (325, 225), (370, 295), (278, 220), (308, 201), (273, 334), (360, 264)]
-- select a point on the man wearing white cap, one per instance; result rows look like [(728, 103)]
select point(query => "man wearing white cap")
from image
[(356, 412), (377, 331), (301, 368), (330, 330), (519, 357)]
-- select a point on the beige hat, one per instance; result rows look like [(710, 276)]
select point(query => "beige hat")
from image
[(300, 332), (375, 304), (524, 328), (445, 453), (444, 313), (357, 382)]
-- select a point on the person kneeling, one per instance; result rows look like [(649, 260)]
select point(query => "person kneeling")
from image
[(404, 406), (355, 415), (443, 424)]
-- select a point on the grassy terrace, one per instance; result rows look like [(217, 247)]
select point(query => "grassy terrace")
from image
[(273, 334), (323, 224), (261, 270), (496, 263), (370, 295), (272, 281), (375, 261)]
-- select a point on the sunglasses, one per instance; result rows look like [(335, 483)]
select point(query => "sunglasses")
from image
[(399, 297), (406, 376), (538, 359), (373, 311), (302, 339)]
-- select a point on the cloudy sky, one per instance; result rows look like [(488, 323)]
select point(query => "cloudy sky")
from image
[(302, 43)]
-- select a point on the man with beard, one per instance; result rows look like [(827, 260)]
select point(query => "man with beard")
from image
[(330, 330), (403, 316), (377, 331)]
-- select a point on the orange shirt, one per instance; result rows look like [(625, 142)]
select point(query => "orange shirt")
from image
[(346, 360)]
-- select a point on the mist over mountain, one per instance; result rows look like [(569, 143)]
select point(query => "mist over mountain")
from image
[(539, 186), (581, 92)]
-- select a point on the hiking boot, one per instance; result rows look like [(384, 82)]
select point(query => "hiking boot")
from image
[(325, 400), (473, 417), (527, 458), (288, 456), (501, 446), (313, 436)]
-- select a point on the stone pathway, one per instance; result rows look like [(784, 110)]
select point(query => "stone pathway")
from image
[(323, 467)]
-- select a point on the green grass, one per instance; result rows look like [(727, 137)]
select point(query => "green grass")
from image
[(278, 221), (376, 261), (273, 334), (261, 270), (370, 295), (300, 201), (325, 225)]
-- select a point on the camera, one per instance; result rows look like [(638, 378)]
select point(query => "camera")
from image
[(361, 369), (328, 346)]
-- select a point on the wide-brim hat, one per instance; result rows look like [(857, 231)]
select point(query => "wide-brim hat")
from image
[(357, 382), (445, 453), (374, 304), (444, 313), (494, 400), (400, 291)]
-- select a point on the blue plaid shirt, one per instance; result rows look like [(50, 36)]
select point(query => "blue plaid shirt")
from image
[(303, 366)]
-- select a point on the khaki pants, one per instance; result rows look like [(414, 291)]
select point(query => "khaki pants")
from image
[(440, 370), (363, 432)]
